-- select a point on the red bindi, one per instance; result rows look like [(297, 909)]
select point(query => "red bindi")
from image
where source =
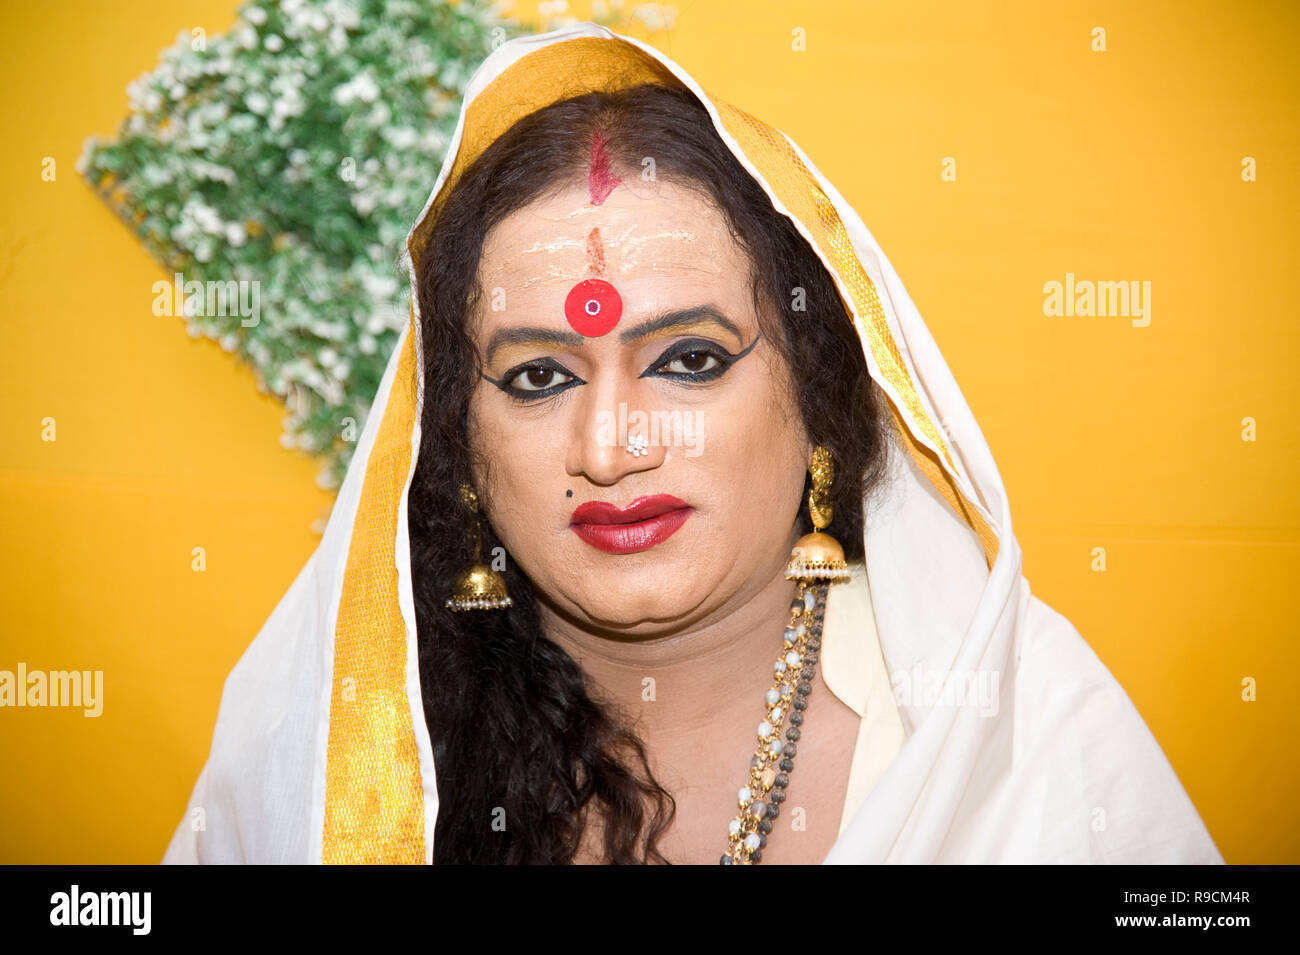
[(593, 307)]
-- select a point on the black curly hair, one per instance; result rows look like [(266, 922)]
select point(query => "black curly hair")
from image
[(511, 720)]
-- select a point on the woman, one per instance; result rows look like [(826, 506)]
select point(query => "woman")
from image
[(670, 538)]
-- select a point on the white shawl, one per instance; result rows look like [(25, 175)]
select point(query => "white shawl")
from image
[(321, 752)]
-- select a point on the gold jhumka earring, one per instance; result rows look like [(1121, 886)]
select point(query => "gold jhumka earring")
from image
[(480, 587), (818, 556)]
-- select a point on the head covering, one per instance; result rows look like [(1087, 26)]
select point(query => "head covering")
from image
[(321, 752)]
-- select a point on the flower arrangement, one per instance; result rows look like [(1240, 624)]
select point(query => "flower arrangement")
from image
[(283, 162)]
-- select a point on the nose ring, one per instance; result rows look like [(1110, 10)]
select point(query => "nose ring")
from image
[(638, 445)]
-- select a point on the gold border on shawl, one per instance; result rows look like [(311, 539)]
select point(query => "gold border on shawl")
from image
[(374, 803), (804, 198), (374, 799)]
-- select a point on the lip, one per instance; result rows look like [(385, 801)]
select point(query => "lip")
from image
[(647, 521)]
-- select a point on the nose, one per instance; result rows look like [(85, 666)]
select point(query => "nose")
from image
[(604, 445)]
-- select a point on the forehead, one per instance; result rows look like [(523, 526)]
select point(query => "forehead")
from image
[(645, 229)]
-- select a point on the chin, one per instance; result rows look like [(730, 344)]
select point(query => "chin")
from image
[(638, 603)]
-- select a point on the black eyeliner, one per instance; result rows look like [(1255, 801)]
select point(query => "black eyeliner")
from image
[(519, 394), (727, 359)]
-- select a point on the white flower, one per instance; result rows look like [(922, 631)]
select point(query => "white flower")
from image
[(203, 216), (638, 445), (402, 137), (367, 88), (343, 14), (87, 150), (291, 104), (257, 102), (156, 175), (337, 40)]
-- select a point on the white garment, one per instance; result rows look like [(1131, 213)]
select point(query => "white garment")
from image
[(853, 669), (1063, 769)]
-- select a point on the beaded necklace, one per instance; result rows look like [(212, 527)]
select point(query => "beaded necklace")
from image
[(769, 770)]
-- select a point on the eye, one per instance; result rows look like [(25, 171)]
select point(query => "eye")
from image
[(535, 380), (692, 362), (539, 378)]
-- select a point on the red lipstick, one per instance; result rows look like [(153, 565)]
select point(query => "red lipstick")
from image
[(645, 522)]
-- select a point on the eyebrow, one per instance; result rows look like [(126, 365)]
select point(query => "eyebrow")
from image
[(672, 319)]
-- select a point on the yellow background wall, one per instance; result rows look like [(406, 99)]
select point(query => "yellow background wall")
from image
[(1116, 165)]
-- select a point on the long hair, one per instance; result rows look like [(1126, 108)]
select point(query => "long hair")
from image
[(523, 753)]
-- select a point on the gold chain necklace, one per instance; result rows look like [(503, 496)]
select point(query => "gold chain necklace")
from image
[(760, 801)]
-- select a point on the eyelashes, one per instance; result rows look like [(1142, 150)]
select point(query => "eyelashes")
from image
[(692, 362), (536, 379)]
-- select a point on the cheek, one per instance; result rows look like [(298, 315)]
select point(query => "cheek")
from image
[(513, 470), (495, 466), (763, 418), (753, 456)]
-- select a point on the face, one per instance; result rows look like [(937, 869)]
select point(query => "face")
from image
[(623, 362)]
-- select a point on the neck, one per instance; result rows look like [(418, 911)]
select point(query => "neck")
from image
[(670, 682)]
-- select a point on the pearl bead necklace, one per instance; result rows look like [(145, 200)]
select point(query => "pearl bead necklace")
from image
[(760, 801)]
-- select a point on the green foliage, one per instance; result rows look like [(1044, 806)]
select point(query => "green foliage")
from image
[(295, 152)]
